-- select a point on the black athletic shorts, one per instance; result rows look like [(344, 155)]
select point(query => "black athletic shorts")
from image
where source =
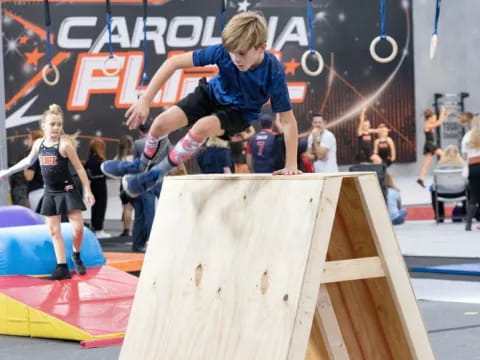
[(430, 148), (201, 103)]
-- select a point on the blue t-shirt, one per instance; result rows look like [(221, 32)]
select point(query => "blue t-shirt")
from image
[(262, 148), (245, 91)]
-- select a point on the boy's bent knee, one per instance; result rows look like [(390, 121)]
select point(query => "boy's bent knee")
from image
[(207, 126), (168, 121)]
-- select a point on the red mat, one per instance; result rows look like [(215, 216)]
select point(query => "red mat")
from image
[(425, 212), (98, 302)]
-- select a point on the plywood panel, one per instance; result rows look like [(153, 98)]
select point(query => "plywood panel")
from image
[(311, 282), (399, 307), (373, 294), (224, 270), (353, 296), (235, 263)]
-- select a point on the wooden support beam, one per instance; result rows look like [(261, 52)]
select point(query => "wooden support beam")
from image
[(354, 269)]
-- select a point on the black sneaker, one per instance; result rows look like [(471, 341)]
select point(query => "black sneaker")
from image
[(125, 233), (61, 272), (79, 267)]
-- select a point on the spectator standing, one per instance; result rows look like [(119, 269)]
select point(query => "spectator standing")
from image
[(125, 153), (144, 204), (33, 176), (98, 184), (261, 147), (471, 147), (322, 146)]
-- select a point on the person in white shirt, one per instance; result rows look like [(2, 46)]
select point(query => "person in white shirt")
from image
[(322, 146), (471, 150)]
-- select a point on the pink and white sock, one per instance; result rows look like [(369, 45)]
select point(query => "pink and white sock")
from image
[(185, 148), (151, 146)]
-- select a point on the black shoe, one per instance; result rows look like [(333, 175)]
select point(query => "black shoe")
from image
[(125, 232), (61, 272), (139, 250), (78, 263), (420, 182)]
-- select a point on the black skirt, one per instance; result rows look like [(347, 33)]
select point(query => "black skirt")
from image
[(61, 203)]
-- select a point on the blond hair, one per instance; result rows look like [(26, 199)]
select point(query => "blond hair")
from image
[(465, 118), (72, 139), (245, 31), (474, 142), (217, 142), (451, 156), (179, 170), (53, 109)]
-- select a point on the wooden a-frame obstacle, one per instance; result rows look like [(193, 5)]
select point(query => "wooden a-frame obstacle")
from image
[(270, 267)]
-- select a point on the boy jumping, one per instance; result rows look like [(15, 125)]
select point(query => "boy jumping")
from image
[(248, 77)]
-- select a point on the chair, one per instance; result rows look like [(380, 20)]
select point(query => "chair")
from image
[(380, 169), (449, 181)]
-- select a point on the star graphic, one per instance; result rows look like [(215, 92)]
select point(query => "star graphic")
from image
[(243, 6), (33, 57), (291, 66), (23, 40)]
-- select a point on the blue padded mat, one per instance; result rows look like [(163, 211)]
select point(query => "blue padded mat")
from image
[(458, 269)]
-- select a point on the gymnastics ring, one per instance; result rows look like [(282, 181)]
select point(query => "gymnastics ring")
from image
[(379, 59), (117, 68), (55, 71), (304, 63), (433, 46)]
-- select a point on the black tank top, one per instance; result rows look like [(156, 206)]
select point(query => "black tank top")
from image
[(54, 168), (429, 136), (384, 150), (365, 144)]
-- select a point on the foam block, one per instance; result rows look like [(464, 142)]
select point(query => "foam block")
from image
[(28, 250), (14, 215)]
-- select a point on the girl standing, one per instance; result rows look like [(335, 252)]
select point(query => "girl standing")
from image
[(384, 147), (54, 152), (365, 140)]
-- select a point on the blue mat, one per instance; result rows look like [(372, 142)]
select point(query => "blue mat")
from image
[(457, 269), (28, 250)]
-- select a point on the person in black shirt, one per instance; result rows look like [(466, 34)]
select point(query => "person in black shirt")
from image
[(34, 176), (365, 140), (98, 183), (431, 148), (384, 147), (54, 152)]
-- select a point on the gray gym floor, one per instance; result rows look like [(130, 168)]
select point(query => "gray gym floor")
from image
[(453, 327)]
